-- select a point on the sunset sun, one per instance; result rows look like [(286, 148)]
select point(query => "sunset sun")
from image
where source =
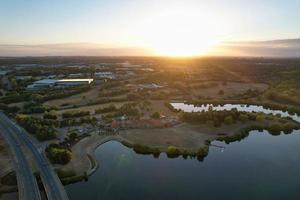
[(149, 99), (184, 45), (176, 32)]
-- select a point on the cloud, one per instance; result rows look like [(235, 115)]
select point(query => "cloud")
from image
[(273, 48), (71, 49)]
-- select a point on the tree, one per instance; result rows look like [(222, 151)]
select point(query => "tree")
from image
[(73, 136), (57, 154), (173, 151), (221, 92), (228, 120), (50, 115), (259, 117), (275, 129), (155, 115), (243, 117)]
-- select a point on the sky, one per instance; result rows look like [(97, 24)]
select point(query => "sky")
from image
[(166, 26)]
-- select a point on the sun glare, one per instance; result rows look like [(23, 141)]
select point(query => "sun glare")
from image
[(182, 32), (184, 46)]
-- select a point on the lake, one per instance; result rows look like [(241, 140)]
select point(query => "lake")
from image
[(261, 166), (240, 107)]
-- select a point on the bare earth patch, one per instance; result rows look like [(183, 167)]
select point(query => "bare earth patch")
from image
[(182, 136), (230, 89), (77, 99)]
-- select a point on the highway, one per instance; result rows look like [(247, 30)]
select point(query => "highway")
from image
[(53, 187), (27, 184)]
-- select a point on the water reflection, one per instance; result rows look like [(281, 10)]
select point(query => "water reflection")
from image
[(260, 166), (240, 107)]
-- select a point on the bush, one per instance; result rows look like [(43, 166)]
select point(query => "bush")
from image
[(243, 117), (259, 117), (50, 115), (57, 154), (277, 97), (74, 114), (33, 107), (173, 151), (78, 121), (129, 110), (42, 129), (216, 118), (155, 115), (228, 120), (202, 152), (275, 129), (142, 149), (288, 127), (110, 108)]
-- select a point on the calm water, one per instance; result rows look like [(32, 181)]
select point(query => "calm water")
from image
[(240, 107), (261, 166)]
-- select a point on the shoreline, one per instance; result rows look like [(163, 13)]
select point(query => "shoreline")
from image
[(89, 163), (93, 164)]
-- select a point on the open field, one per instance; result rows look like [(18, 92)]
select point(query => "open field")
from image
[(183, 136), (77, 99), (144, 96), (230, 89)]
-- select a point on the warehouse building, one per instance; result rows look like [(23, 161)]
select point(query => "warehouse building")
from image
[(52, 83)]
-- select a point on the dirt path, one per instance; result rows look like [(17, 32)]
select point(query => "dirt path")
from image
[(80, 161)]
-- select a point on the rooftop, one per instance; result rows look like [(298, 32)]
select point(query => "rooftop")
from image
[(46, 81), (54, 81), (76, 80)]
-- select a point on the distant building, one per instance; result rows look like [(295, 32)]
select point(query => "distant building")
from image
[(107, 75), (42, 84), (23, 77), (129, 65), (3, 72), (51, 76), (78, 75), (73, 82), (52, 83)]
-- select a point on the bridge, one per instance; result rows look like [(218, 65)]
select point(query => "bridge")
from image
[(27, 184), (53, 187)]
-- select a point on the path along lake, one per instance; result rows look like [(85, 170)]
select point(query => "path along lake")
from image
[(261, 166)]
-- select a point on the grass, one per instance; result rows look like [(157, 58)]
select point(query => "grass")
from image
[(73, 179), (171, 151), (68, 176), (273, 129)]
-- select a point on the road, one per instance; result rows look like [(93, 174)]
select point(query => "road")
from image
[(53, 186), (27, 184)]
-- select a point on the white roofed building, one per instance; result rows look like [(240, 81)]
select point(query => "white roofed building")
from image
[(74, 82), (107, 75), (62, 83)]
